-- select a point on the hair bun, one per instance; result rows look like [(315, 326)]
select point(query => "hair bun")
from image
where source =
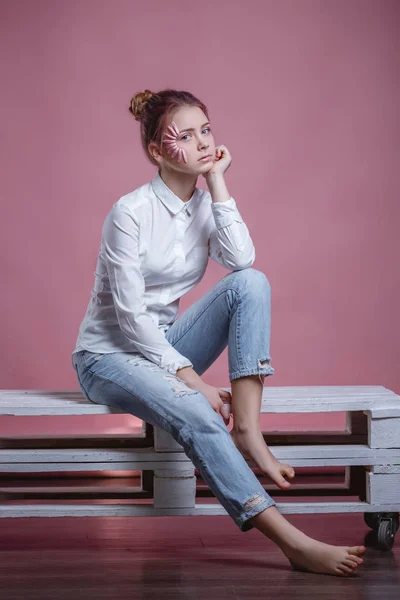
[(139, 102)]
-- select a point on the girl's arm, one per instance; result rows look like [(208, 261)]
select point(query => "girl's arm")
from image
[(230, 241), (120, 244)]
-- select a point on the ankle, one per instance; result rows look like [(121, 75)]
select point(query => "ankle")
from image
[(298, 542), (273, 524), (245, 428)]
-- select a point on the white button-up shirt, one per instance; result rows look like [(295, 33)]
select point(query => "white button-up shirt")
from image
[(154, 249)]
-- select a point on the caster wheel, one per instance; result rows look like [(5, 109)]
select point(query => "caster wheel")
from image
[(386, 532), (396, 520), (373, 520)]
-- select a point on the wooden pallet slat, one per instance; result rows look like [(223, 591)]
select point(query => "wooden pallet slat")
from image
[(369, 449), (148, 510)]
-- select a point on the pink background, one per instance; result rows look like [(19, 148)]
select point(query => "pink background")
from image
[(305, 94)]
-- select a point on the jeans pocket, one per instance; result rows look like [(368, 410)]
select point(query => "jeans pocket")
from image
[(90, 358)]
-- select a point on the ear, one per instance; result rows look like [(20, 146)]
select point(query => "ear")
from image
[(155, 153)]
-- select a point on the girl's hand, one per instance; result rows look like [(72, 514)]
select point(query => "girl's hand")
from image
[(216, 398), (222, 162)]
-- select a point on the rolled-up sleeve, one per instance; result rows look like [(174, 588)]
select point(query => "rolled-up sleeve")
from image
[(120, 240), (230, 241)]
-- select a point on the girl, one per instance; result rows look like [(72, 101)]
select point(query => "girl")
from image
[(133, 351)]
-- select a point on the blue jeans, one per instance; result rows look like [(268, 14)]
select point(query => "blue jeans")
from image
[(235, 312)]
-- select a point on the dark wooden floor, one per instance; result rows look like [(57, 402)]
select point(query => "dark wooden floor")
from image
[(179, 558)]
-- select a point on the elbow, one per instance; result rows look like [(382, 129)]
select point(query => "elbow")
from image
[(244, 262), (241, 266)]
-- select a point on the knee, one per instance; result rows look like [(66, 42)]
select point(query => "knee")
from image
[(253, 281)]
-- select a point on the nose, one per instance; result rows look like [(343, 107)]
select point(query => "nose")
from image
[(203, 144)]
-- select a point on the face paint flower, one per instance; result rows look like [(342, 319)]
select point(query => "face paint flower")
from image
[(171, 145)]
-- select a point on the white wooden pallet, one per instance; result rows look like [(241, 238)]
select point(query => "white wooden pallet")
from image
[(137, 510), (174, 476)]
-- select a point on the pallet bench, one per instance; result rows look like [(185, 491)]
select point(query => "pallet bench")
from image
[(369, 450)]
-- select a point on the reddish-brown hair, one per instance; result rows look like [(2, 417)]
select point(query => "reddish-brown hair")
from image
[(153, 111)]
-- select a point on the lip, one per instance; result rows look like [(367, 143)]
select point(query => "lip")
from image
[(205, 158)]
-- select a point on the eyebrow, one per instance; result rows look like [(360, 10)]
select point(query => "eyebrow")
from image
[(191, 128)]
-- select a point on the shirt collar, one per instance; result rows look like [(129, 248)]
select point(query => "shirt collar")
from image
[(170, 200)]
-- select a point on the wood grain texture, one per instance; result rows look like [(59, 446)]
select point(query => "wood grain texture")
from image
[(385, 468), (180, 559), (284, 399), (384, 433), (383, 488), (146, 509), (87, 459), (164, 442), (174, 490)]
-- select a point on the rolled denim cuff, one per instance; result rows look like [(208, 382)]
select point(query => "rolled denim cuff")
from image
[(266, 371), (257, 504)]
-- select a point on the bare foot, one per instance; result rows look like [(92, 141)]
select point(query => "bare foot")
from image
[(318, 557), (252, 446)]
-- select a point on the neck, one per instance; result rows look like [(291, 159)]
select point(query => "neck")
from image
[(181, 184)]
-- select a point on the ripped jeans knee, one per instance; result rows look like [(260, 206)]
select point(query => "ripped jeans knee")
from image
[(178, 386)]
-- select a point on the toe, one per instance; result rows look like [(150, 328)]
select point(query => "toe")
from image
[(287, 470), (350, 563), (345, 569), (283, 483), (357, 550)]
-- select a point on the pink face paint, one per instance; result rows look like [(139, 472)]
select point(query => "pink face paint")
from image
[(171, 145)]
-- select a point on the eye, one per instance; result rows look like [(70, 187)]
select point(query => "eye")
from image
[(187, 135)]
